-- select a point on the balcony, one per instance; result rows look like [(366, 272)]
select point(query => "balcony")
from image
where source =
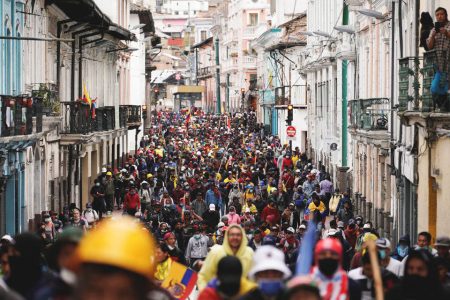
[(296, 94), (230, 37), (105, 119), (130, 116), (205, 72), (17, 113), (410, 74), (425, 108), (80, 118), (249, 32), (230, 65), (249, 62), (369, 114)]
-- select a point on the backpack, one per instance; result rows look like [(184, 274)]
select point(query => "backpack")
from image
[(90, 218)]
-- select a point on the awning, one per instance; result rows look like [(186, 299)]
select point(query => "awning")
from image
[(86, 11), (145, 17), (189, 89)]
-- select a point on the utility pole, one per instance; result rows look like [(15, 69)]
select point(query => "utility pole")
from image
[(218, 109), (344, 96)]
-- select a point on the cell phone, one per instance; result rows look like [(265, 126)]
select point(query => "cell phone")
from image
[(437, 26)]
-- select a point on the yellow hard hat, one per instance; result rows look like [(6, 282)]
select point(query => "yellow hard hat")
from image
[(108, 174), (119, 243), (149, 175)]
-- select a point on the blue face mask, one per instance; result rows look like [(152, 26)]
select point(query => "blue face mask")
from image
[(270, 287), (402, 251), (382, 254)]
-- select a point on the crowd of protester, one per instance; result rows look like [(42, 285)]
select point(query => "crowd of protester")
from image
[(217, 194)]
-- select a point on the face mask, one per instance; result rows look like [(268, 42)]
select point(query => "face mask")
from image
[(232, 212), (328, 266), (47, 220), (382, 254), (270, 287), (402, 251)]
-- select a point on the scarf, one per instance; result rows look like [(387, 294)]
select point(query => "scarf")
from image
[(334, 288)]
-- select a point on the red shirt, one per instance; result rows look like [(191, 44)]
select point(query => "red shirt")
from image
[(209, 293), (267, 211), (131, 201)]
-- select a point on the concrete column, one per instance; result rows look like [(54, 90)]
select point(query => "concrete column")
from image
[(85, 179)]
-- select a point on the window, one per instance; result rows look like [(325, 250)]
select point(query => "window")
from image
[(177, 12), (203, 35), (253, 19), (185, 12)]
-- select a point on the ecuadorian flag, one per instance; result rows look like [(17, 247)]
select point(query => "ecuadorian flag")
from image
[(181, 281)]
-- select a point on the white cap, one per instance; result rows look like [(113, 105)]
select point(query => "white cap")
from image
[(383, 243), (104, 170), (247, 210), (212, 207), (266, 258), (302, 226), (8, 238), (366, 226), (221, 224), (290, 229)]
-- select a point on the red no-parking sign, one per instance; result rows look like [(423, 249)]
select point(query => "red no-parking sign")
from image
[(291, 131)]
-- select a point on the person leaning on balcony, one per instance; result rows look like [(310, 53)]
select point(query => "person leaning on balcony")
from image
[(439, 40)]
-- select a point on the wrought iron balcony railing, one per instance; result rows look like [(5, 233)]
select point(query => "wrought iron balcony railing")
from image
[(81, 118), (297, 94), (369, 114), (130, 115), (410, 74), (17, 112)]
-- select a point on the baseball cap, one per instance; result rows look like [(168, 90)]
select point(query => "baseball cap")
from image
[(302, 226), (247, 210), (442, 241), (290, 229), (383, 243), (212, 207), (366, 226), (104, 170), (221, 224), (267, 258), (340, 224), (8, 238)]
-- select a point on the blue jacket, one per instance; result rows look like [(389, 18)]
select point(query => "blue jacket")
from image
[(211, 198)]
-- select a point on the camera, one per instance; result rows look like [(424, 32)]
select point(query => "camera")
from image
[(437, 26)]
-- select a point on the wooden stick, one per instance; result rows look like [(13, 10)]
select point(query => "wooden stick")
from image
[(378, 283)]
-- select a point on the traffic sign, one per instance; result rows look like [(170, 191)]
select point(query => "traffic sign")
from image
[(291, 131)]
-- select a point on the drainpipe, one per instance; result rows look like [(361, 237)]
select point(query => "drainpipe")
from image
[(228, 93), (344, 96), (58, 50), (392, 87), (218, 108), (196, 66)]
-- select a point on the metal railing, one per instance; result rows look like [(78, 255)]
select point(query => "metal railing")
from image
[(205, 72), (16, 115), (410, 76), (297, 94), (369, 114), (130, 115), (78, 118)]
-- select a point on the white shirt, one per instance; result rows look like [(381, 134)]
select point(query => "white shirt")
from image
[(395, 267)]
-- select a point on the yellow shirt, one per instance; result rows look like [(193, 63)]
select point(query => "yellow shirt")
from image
[(228, 180), (294, 160), (252, 208), (312, 207)]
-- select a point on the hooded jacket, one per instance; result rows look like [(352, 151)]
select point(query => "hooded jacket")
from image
[(209, 269)]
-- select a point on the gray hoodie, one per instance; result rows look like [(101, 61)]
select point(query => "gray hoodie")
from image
[(197, 247)]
